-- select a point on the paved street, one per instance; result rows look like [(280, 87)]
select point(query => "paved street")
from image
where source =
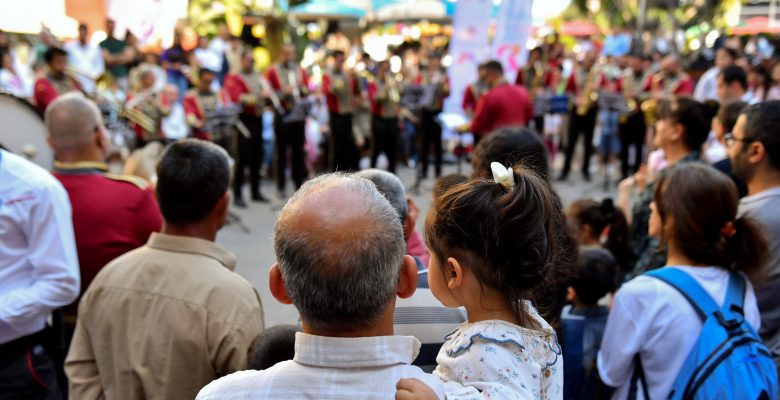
[(255, 249)]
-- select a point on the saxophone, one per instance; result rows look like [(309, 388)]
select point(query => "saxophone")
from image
[(650, 106), (589, 93)]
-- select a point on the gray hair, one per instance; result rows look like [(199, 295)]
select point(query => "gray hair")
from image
[(336, 280), (391, 187), (72, 121)]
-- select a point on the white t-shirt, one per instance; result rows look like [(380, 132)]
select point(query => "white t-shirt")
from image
[(653, 319)]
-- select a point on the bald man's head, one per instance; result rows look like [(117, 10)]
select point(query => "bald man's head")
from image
[(74, 124), (340, 246)]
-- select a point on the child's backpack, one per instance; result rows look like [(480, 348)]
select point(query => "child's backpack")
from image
[(729, 361)]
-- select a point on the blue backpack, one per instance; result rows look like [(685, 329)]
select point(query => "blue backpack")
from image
[(729, 361)]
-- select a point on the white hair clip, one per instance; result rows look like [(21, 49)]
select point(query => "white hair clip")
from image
[(502, 175)]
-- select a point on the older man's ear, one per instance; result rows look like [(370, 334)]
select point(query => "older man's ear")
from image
[(407, 283), (276, 284)]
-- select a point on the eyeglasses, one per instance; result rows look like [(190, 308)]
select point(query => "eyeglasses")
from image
[(729, 139)]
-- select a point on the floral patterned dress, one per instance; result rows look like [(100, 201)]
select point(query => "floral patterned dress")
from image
[(496, 359)]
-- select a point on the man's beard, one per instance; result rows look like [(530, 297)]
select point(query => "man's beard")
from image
[(741, 168)]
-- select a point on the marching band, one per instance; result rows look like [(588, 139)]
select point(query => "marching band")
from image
[(614, 96)]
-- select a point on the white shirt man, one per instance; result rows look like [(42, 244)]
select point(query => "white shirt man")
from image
[(39, 272), (86, 58)]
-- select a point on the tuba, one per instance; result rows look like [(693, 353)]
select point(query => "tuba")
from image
[(650, 106)]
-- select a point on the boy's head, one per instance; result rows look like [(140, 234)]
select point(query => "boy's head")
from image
[(596, 276), (274, 345), (447, 182)]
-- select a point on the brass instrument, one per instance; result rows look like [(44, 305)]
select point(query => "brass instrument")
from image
[(650, 105), (392, 89), (129, 112), (590, 95)]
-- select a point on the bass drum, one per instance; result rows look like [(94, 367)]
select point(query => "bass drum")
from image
[(23, 132)]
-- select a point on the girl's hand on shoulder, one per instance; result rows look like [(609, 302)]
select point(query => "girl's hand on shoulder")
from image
[(413, 389)]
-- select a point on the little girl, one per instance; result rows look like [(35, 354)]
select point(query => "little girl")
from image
[(492, 244)]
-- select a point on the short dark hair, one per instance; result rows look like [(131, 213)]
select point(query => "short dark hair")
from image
[(446, 183), (83, 26), (192, 177), (510, 146), (53, 52), (596, 275), (763, 125), (204, 71), (734, 73), (733, 53), (274, 345), (729, 113), (494, 66), (337, 53), (696, 119)]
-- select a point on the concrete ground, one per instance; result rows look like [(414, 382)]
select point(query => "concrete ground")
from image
[(255, 249)]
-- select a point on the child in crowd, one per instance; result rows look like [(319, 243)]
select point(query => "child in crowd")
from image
[(493, 242), (583, 324), (274, 345), (694, 212), (446, 183), (602, 224)]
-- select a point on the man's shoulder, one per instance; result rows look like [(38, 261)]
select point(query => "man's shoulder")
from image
[(246, 384), (128, 183), (25, 174)]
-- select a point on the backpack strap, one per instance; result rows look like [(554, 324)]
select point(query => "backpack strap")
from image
[(735, 294), (637, 378), (699, 299)]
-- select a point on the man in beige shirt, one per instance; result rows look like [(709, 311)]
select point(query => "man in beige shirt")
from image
[(162, 321)]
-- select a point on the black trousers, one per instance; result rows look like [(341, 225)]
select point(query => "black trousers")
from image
[(249, 155), (632, 134), (385, 132), (431, 135), (580, 125), (344, 154), (290, 136), (27, 370)]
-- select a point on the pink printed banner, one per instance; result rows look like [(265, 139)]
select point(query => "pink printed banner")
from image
[(512, 31), (468, 48)]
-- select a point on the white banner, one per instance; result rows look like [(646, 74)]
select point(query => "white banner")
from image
[(468, 47), (149, 20), (512, 31)]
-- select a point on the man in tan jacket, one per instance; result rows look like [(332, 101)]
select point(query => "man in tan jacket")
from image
[(162, 321)]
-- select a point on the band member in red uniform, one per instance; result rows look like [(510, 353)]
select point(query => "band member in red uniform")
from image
[(581, 86), (671, 81), (250, 89), (56, 81), (632, 125), (291, 84), (202, 101), (504, 105), (436, 79), (341, 92), (536, 76), (112, 214), (385, 98), (151, 107), (475, 91)]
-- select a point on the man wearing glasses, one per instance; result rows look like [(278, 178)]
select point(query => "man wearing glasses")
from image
[(754, 150)]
